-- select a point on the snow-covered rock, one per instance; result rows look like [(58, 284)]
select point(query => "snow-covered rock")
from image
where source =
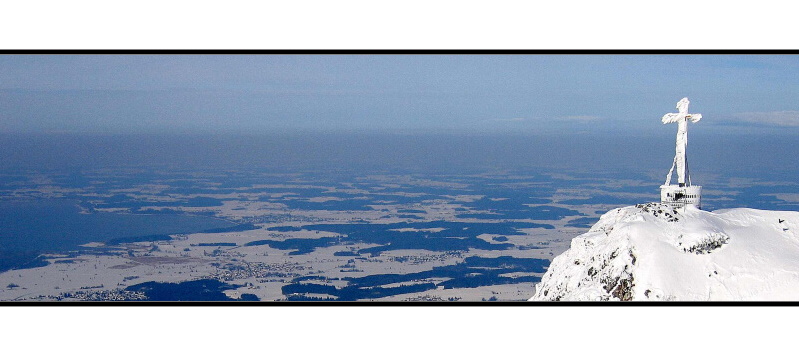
[(654, 252)]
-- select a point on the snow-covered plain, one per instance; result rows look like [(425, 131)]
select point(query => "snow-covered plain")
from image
[(654, 252)]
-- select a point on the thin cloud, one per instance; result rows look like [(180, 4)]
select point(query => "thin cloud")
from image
[(514, 119), (772, 118), (569, 118), (578, 118)]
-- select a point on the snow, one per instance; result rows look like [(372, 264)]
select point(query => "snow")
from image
[(655, 252)]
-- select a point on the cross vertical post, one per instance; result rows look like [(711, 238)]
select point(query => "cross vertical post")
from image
[(683, 193)]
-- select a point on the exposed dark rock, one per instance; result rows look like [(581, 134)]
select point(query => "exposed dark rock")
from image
[(663, 211), (708, 244), (624, 289)]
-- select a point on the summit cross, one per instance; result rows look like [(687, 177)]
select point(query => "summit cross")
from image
[(680, 160)]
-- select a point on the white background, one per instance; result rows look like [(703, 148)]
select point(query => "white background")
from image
[(408, 24)]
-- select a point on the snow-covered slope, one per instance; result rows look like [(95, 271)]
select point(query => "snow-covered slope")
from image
[(654, 252)]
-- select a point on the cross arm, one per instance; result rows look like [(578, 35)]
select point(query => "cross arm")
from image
[(672, 117)]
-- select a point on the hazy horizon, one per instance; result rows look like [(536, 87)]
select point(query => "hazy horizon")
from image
[(731, 154)]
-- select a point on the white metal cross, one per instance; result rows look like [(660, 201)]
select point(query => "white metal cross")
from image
[(680, 159)]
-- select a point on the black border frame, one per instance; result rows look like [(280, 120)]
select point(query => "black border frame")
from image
[(423, 304), (400, 52), (406, 51)]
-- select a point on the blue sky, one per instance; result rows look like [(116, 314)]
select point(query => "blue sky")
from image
[(396, 93)]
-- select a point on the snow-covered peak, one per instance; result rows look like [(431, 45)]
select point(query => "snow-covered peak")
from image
[(655, 252)]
